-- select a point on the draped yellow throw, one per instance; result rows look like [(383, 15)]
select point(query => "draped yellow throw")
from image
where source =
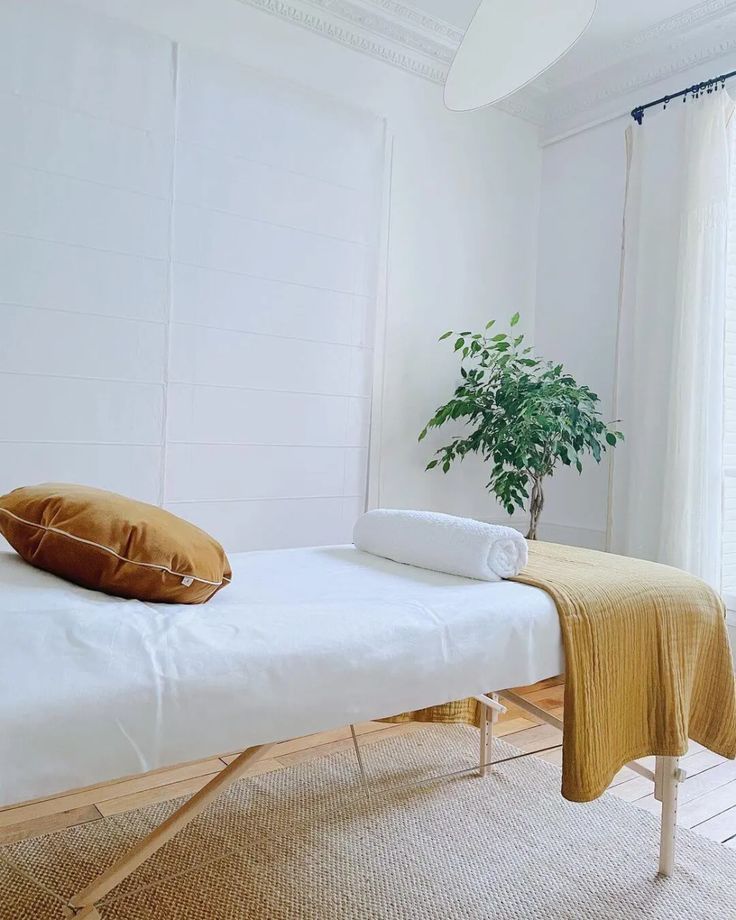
[(648, 664)]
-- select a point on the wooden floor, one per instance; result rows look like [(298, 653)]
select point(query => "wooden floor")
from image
[(707, 798)]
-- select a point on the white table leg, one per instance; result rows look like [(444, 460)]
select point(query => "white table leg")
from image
[(668, 774)]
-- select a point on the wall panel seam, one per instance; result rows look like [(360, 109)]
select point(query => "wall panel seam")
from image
[(301, 284), (163, 469)]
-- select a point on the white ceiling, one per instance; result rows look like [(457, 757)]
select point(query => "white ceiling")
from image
[(457, 12), (614, 20), (630, 46)]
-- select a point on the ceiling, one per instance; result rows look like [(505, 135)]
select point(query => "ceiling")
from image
[(457, 12), (614, 19), (630, 45)]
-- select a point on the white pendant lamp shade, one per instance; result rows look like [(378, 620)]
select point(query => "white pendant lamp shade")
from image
[(508, 44)]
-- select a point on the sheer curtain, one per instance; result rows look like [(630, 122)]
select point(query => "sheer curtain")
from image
[(666, 483)]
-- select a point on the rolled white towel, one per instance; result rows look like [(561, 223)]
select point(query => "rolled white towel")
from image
[(443, 543)]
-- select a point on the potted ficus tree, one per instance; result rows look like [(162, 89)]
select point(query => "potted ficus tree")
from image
[(522, 414)]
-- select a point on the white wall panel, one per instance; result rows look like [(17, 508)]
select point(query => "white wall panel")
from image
[(65, 210), (241, 302), (53, 139), (129, 469), (36, 273), (355, 471), (60, 54), (186, 316), (229, 473), (275, 524), (57, 410), (241, 359), (224, 182), (277, 197), (235, 110), (216, 415), (87, 110), (238, 244), (75, 345)]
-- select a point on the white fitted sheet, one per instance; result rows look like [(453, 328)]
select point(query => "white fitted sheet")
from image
[(93, 687)]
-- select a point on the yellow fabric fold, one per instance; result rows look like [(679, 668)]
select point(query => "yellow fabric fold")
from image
[(648, 664)]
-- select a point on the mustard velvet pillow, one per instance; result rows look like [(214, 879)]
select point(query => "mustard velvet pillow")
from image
[(110, 543)]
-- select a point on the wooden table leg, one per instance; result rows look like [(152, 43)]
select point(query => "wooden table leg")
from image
[(82, 905)]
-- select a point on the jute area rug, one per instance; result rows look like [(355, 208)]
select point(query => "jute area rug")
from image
[(306, 843)]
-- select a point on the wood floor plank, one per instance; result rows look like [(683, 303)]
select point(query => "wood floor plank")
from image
[(547, 697), (512, 726), (639, 788), (115, 806), (706, 806), (720, 827), (48, 824), (554, 756), (152, 796), (536, 738), (540, 685), (99, 793), (304, 742), (623, 776), (697, 784), (312, 753)]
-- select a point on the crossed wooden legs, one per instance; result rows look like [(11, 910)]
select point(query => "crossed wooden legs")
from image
[(83, 905)]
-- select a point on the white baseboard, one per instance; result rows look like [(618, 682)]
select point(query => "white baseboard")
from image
[(573, 536), (559, 533)]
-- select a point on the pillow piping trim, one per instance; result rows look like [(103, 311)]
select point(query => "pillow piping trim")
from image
[(107, 549)]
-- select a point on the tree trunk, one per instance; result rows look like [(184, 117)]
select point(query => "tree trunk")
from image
[(535, 508)]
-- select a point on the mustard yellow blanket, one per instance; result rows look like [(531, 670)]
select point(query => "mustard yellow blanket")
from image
[(648, 664)]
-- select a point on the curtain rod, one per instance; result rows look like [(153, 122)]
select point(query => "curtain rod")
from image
[(694, 91)]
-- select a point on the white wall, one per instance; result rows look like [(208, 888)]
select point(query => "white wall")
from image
[(85, 170), (581, 216), (189, 255), (275, 229), (463, 217), (580, 235)]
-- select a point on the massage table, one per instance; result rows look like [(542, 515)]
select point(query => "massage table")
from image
[(94, 688)]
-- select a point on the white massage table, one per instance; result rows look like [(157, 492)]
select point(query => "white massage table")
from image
[(93, 688)]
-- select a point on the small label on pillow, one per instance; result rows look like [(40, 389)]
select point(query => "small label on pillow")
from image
[(187, 581)]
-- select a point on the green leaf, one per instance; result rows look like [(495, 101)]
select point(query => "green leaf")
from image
[(522, 415), (422, 434), (490, 323), (445, 336), (514, 319)]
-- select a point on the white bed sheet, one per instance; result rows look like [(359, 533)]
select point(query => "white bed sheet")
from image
[(93, 688)]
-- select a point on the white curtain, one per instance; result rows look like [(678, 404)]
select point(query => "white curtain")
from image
[(666, 483)]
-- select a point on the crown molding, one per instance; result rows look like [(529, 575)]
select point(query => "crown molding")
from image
[(578, 89), (673, 32), (599, 94), (387, 30)]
